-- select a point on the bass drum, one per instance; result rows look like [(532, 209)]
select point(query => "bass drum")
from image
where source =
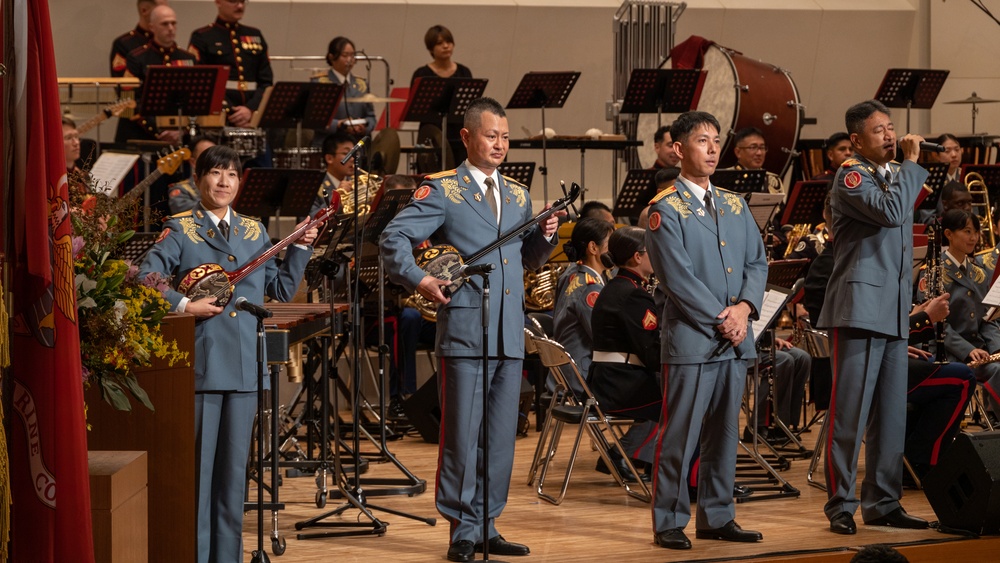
[(741, 92)]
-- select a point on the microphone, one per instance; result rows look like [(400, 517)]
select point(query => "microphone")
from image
[(722, 347), (468, 271), (931, 147), (242, 304), (360, 144)]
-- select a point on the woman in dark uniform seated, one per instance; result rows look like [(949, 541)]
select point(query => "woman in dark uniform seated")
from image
[(626, 360), (440, 44)]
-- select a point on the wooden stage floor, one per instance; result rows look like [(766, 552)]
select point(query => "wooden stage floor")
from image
[(596, 522)]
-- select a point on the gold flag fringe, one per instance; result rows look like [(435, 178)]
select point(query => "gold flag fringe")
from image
[(4, 458)]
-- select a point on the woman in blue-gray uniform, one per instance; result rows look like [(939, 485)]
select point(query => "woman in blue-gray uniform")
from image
[(577, 291), (355, 118)]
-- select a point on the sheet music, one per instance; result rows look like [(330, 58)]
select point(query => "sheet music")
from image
[(993, 295), (110, 169), (762, 207), (770, 307)]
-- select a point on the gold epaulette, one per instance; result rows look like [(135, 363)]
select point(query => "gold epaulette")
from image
[(729, 191), (850, 162), (660, 195), (513, 181), (321, 76), (181, 214), (442, 174), (591, 280)]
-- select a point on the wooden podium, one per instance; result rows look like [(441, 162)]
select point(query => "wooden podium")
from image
[(167, 435)]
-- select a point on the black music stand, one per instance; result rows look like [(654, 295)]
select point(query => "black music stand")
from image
[(298, 105), (540, 90), (910, 88), (636, 192), (446, 99), (937, 174), (805, 203), (663, 90), (741, 181), (521, 172), (274, 191), (135, 248)]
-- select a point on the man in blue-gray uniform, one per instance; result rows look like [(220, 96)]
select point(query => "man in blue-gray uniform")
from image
[(225, 358), (709, 257), (866, 309), (467, 208)]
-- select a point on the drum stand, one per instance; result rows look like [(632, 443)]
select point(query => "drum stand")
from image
[(353, 492)]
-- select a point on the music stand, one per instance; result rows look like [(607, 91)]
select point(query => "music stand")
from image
[(541, 90), (299, 105), (740, 181), (910, 88), (273, 191), (433, 98), (135, 248), (937, 174), (521, 172), (636, 191), (805, 203), (663, 90), (183, 90), (386, 205)]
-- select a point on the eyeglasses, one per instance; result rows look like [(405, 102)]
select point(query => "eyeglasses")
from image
[(754, 148), (349, 56)]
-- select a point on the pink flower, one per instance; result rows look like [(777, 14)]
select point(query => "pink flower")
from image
[(156, 281), (78, 244), (133, 270)]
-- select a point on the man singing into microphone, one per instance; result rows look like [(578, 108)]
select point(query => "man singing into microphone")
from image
[(709, 257), (866, 309), (225, 358), (468, 208)]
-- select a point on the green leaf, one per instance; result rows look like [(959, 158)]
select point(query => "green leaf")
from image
[(125, 236), (138, 392), (114, 395)]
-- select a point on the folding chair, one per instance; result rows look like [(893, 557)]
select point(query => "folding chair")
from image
[(586, 414)]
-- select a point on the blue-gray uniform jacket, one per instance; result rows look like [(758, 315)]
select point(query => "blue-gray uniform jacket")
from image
[(448, 208), (871, 284), (183, 196), (704, 267), (225, 357), (576, 293), (355, 88), (966, 330)]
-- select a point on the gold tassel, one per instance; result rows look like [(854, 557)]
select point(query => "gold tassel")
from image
[(4, 459)]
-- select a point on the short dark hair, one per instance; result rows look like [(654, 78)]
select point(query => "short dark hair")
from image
[(336, 47), (947, 137), (395, 181), (857, 114), (689, 121), (436, 33), (951, 188), (474, 113), (593, 208), (746, 132), (334, 140), (658, 136), (587, 230), (666, 176), (68, 122), (956, 219), (624, 243), (878, 553), (836, 139), (218, 156)]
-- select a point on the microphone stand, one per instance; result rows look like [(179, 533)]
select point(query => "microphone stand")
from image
[(259, 555)]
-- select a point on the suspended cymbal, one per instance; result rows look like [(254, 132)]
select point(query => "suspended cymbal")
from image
[(370, 98), (973, 99)]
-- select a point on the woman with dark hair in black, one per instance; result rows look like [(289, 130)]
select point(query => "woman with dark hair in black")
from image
[(577, 291), (440, 43), (626, 360)]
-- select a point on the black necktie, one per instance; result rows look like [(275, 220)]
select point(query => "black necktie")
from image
[(709, 206), (888, 176), (224, 227)]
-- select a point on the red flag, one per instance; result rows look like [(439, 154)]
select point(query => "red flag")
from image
[(48, 442)]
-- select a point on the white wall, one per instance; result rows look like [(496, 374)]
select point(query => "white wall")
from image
[(836, 50)]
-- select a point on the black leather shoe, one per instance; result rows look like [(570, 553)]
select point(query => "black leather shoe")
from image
[(899, 519), (843, 523), (730, 532), (462, 550), (741, 492), (673, 538), (500, 546), (622, 468)]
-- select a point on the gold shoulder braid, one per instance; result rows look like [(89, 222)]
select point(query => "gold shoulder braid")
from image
[(442, 174), (573, 285), (679, 205), (666, 191), (252, 228)]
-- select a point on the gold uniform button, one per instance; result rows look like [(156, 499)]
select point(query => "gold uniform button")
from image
[(732, 300), (507, 291), (232, 313), (729, 270), (239, 59), (232, 258), (240, 68), (972, 315), (505, 261), (722, 243), (236, 50), (969, 293)]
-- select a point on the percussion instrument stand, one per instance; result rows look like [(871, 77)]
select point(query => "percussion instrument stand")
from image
[(355, 495)]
